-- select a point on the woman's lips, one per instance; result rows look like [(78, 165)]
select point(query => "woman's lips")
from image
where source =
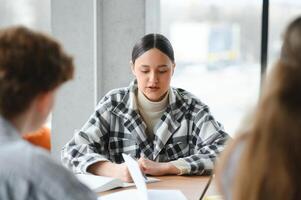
[(153, 88)]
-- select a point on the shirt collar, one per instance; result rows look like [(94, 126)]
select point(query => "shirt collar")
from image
[(128, 107)]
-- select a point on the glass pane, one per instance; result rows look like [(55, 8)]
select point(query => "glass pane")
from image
[(31, 13), (278, 21), (217, 52)]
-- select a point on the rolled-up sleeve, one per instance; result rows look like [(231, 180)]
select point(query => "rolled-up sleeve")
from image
[(207, 141)]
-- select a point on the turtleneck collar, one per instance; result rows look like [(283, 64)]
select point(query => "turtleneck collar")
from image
[(152, 106)]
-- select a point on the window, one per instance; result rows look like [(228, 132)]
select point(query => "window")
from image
[(278, 22), (30, 13), (217, 48)]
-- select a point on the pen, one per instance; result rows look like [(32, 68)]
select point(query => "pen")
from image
[(206, 187)]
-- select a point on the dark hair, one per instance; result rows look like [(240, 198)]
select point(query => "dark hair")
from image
[(153, 40), (31, 63)]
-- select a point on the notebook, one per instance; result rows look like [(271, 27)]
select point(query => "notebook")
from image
[(103, 183), (142, 193)]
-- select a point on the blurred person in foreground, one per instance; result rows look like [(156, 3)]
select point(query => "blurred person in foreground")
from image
[(32, 68), (264, 161)]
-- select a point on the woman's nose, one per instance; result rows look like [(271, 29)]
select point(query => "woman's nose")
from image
[(153, 77)]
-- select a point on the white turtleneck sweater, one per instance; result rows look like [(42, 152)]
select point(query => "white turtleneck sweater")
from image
[(151, 113)]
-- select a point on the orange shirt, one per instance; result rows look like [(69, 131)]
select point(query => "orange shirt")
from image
[(41, 138)]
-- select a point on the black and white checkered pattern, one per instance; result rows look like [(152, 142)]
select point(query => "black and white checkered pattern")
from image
[(186, 130)]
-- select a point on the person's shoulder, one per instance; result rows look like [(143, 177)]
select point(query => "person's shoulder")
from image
[(19, 186), (36, 168), (237, 146), (187, 97), (32, 160), (229, 162), (114, 96), (117, 92), (61, 180)]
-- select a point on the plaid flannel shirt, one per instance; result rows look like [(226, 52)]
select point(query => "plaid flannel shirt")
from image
[(185, 131)]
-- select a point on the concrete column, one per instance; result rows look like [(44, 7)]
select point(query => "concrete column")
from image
[(74, 24), (123, 23), (152, 16)]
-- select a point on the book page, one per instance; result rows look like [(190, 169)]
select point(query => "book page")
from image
[(166, 194), (100, 183), (103, 183), (152, 195), (141, 190)]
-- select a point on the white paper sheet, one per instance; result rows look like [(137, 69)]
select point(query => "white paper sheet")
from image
[(141, 193), (152, 195)]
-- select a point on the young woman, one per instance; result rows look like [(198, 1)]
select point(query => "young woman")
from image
[(168, 129), (264, 162)]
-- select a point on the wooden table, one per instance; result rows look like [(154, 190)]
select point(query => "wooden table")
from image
[(191, 186)]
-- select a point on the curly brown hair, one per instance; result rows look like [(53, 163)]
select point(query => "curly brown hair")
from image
[(31, 63)]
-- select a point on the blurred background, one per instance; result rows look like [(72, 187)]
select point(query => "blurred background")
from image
[(216, 43)]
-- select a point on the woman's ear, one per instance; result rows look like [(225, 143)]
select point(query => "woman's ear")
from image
[(173, 68), (132, 68)]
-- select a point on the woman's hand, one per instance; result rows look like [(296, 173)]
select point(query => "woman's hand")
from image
[(106, 168), (121, 171), (156, 168)]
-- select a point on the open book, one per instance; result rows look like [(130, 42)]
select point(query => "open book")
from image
[(103, 183), (141, 193)]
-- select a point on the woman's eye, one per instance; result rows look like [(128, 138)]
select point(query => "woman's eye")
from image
[(144, 72), (162, 72)]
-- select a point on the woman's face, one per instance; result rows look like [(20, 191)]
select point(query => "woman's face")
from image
[(153, 71)]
